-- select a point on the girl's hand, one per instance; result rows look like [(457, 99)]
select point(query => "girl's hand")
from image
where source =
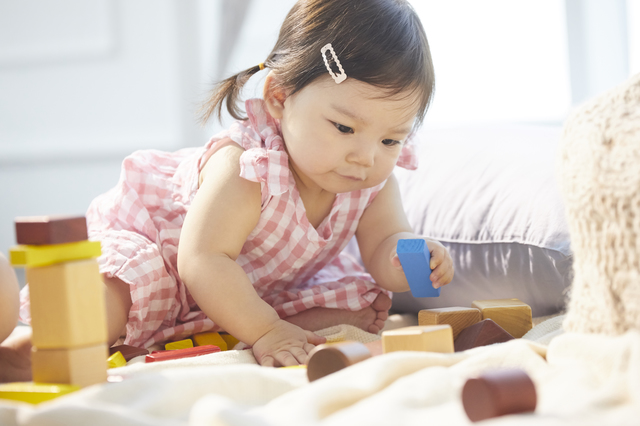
[(441, 264), (284, 345)]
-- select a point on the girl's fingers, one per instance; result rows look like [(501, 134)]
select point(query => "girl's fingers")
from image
[(285, 359), (314, 339), (267, 361), (300, 355)]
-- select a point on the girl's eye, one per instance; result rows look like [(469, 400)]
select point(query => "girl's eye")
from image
[(391, 142), (343, 129)]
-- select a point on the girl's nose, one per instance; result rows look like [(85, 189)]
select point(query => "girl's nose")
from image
[(362, 153)]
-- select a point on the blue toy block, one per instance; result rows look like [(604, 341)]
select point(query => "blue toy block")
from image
[(415, 258)]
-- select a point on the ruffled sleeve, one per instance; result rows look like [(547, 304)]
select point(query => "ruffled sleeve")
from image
[(408, 158), (264, 160)]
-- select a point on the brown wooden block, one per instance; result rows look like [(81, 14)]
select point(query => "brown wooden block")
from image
[(331, 357), (498, 393), (427, 338), (511, 314), (83, 366), (458, 318), (67, 305), (40, 230), (486, 332), (128, 352)]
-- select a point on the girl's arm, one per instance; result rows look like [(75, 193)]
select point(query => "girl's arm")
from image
[(381, 226), (224, 211)]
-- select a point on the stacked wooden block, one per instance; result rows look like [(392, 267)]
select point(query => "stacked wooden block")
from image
[(458, 328), (67, 299)]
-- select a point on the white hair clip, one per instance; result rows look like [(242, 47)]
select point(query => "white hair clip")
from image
[(339, 78)]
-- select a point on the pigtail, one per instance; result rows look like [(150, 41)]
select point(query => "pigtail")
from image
[(227, 91)]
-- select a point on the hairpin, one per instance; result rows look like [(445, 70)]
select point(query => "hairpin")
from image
[(337, 78)]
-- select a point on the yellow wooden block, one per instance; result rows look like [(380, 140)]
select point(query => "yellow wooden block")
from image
[(67, 305), (34, 393), (210, 338), (458, 318), (511, 314), (180, 344), (231, 341), (78, 366), (34, 256), (427, 338), (116, 360)]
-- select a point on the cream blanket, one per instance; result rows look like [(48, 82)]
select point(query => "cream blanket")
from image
[(581, 380)]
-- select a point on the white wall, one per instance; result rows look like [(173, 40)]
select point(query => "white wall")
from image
[(83, 84)]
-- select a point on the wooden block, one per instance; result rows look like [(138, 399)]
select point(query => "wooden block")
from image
[(34, 393), (498, 393), (83, 366), (36, 256), (40, 230), (230, 340), (180, 344), (458, 318), (210, 338), (486, 332), (331, 357), (116, 360), (511, 314), (67, 305), (427, 338), (415, 258), (180, 353), (128, 352)]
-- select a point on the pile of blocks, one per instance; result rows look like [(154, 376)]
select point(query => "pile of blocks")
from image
[(67, 299)]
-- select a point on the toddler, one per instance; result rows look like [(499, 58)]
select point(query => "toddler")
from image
[(245, 234)]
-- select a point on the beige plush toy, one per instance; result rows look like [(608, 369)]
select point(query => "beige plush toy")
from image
[(599, 171)]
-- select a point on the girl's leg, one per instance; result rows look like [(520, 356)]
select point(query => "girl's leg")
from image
[(9, 300), (370, 319), (118, 301)]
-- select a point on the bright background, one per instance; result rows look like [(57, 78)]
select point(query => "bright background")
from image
[(84, 83)]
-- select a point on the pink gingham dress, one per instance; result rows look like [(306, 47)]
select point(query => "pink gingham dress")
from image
[(292, 265)]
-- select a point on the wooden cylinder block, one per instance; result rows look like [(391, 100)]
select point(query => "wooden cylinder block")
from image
[(498, 393)]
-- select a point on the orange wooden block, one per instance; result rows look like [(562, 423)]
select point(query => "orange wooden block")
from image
[(67, 305), (39, 230), (427, 338), (83, 366), (511, 314), (458, 318)]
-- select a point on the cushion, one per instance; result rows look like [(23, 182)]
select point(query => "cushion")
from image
[(489, 194)]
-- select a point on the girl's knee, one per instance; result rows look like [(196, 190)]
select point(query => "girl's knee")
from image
[(9, 298), (118, 304)]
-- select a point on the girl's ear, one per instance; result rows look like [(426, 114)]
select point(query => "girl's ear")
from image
[(274, 95)]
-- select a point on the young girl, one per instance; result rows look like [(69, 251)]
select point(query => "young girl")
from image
[(245, 234)]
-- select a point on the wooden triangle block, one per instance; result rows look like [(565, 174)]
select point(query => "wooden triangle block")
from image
[(486, 332)]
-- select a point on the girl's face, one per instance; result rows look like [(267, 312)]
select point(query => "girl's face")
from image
[(342, 137)]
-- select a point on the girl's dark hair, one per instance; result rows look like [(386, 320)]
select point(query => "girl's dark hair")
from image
[(379, 42)]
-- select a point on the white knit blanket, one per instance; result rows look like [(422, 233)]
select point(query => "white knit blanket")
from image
[(580, 379)]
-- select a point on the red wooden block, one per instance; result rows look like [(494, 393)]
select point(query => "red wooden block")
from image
[(128, 352), (329, 358), (181, 353), (485, 332), (46, 230), (498, 393)]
